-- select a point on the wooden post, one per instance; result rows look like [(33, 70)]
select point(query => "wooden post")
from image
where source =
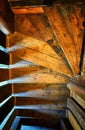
[(82, 53)]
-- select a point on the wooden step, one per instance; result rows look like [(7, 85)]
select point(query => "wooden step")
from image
[(35, 123), (40, 103), (21, 123), (31, 111)]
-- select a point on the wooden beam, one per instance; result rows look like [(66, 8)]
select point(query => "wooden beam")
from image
[(29, 10), (82, 53), (6, 18)]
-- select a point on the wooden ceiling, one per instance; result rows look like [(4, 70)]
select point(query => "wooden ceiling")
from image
[(49, 37), (55, 38)]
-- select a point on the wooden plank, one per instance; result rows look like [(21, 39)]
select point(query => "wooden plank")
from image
[(58, 114), (65, 39), (78, 113), (78, 99), (43, 60), (84, 68), (19, 88), (39, 44), (44, 57), (29, 123), (36, 75), (53, 93), (28, 70), (47, 34), (74, 25), (5, 92), (5, 109), (31, 10), (78, 89), (73, 121), (36, 96), (6, 18), (25, 28), (39, 103)]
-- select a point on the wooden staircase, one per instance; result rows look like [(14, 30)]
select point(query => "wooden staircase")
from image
[(39, 60)]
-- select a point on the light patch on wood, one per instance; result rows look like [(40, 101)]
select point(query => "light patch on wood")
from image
[(37, 76), (20, 88), (38, 52), (47, 34), (30, 10)]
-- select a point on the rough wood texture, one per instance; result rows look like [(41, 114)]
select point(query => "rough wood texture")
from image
[(42, 91), (63, 22), (47, 34), (41, 113), (36, 51), (78, 113), (6, 18), (78, 86), (73, 121), (39, 103), (77, 98), (32, 89)]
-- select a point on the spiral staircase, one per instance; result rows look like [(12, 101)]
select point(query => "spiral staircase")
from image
[(41, 63)]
